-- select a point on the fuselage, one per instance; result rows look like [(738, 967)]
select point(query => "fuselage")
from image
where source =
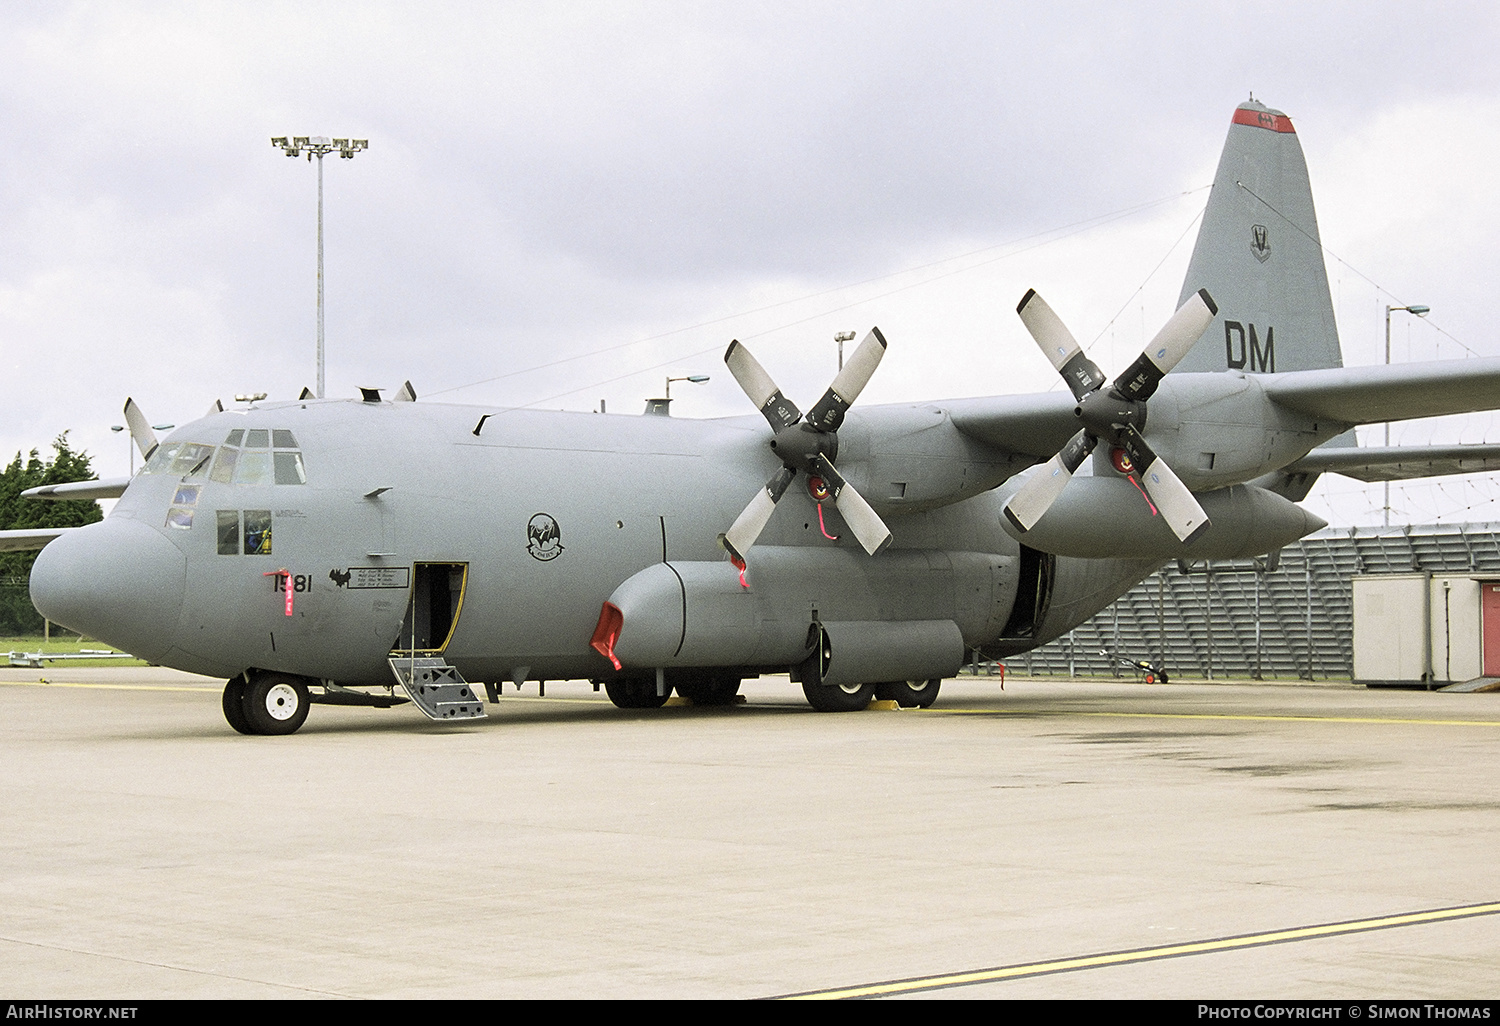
[(496, 536)]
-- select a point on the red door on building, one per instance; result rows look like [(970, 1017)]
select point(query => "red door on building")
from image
[(1489, 614)]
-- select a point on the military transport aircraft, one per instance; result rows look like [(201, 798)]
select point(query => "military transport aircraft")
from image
[(345, 552)]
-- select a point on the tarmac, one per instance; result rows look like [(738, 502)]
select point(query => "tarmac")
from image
[(1074, 839)]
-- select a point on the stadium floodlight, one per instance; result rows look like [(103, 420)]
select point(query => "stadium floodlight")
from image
[(1420, 311), (319, 146)]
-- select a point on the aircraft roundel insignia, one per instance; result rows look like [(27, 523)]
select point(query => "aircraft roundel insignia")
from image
[(543, 537)]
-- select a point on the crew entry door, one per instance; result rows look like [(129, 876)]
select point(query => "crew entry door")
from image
[(437, 598)]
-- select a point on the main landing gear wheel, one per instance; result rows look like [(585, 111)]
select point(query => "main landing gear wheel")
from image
[(234, 705), (838, 697), (275, 704), (635, 693), (909, 694), (710, 689)]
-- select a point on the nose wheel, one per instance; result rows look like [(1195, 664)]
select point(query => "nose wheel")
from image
[(271, 703)]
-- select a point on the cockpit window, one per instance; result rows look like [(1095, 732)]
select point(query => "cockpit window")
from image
[(223, 471), (253, 456), (162, 458), (254, 467), (289, 468), (191, 458)]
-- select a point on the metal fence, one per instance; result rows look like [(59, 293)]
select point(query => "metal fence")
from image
[(1244, 620)]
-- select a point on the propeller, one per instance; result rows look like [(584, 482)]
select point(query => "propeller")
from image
[(1115, 413), (808, 444), (140, 429)]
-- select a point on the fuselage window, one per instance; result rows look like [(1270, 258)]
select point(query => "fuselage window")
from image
[(229, 532), (257, 532)]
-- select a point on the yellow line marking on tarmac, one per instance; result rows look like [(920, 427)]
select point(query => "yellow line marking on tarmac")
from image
[(1065, 965), (1211, 716), (107, 687)]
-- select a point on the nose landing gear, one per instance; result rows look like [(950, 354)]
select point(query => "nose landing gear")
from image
[(270, 703)]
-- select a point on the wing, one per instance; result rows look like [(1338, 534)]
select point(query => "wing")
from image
[(1399, 462), (30, 538), (111, 488), (1035, 425), (1370, 395)]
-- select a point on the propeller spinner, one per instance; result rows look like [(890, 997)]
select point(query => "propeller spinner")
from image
[(1116, 414), (807, 444)]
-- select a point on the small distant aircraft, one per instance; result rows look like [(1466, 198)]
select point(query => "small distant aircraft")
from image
[(332, 551)]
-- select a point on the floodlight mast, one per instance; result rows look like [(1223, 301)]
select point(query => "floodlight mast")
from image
[(319, 146)]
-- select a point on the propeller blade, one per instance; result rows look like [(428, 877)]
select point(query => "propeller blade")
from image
[(1041, 490), (1058, 344), (747, 527), (140, 429), (779, 411), (1172, 499), (1171, 344), (862, 520), (828, 414)]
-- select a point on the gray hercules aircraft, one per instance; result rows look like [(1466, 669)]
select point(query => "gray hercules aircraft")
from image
[(350, 552)]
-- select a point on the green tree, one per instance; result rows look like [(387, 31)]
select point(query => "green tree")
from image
[(17, 616)]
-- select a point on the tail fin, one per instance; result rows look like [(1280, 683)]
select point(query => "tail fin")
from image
[(1260, 257)]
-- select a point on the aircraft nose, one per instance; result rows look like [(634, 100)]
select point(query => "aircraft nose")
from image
[(118, 581)]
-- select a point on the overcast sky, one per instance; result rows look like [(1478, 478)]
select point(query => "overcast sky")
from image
[(565, 202)]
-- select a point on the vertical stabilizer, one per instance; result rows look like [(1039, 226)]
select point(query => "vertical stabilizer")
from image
[(1260, 256)]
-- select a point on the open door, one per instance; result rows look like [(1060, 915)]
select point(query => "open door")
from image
[(437, 598)]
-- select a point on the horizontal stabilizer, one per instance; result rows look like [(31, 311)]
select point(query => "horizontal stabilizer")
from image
[(1399, 462), (111, 488), (1405, 391), (30, 539)]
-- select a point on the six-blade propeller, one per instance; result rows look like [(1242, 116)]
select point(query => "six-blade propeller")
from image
[(1116, 414)]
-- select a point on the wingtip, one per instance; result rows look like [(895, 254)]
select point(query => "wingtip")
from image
[(733, 345), (1208, 301), (879, 337), (1030, 293)]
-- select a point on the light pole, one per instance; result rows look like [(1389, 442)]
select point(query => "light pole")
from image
[(319, 146), (841, 338), (1420, 311), (696, 379)]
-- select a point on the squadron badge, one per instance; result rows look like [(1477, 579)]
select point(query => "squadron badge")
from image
[(1260, 242), (543, 537)]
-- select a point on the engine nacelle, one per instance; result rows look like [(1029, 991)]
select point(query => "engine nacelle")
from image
[(1108, 517)]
